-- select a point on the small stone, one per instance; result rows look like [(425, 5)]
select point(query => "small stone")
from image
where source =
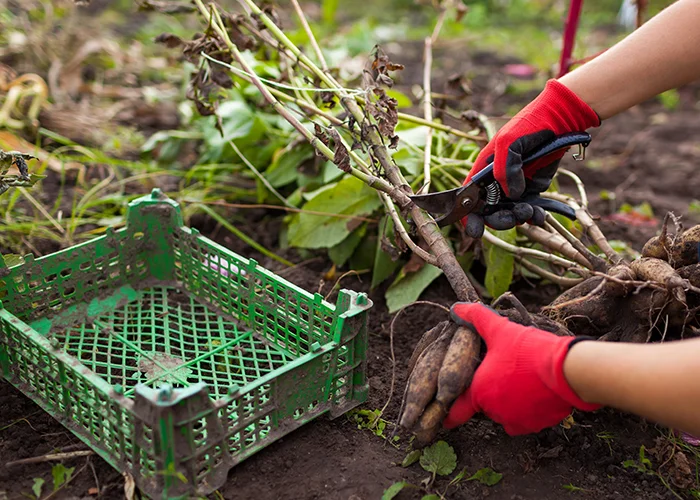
[(592, 478)]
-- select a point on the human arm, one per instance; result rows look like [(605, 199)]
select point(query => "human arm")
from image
[(660, 382), (531, 379), (663, 54)]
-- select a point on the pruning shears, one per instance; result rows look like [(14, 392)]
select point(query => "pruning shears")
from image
[(484, 195)]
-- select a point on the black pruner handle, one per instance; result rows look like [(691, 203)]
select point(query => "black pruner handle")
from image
[(485, 177), (547, 204), (550, 205)]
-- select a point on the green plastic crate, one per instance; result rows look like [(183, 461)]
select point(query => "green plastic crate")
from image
[(173, 357)]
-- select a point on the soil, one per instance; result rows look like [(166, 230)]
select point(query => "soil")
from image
[(646, 155)]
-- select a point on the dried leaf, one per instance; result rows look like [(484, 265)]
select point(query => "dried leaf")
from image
[(129, 486), (462, 9), (169, 40), (240, 39), (165, 7), (321, 135), (383, 79), (341, 157)]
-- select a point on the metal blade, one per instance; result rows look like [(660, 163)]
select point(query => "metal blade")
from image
[(451, 205), (438, 203)]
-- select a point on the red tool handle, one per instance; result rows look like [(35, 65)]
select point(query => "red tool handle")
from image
[(569, 36)]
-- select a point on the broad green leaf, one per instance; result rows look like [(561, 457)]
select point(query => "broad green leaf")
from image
[(329, 8), (383, 265), (340, 253), (363, 257), (12, 259), (37, 487), (284, 167), (394, 490), (407, 288), (499, 265), (415, 136), (439, 458), (487, 476), (349, 197), (432, 496), (61, 475), (411, 458), (330, 172)]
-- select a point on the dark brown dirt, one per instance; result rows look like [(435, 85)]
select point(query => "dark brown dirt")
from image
[(647, 154)]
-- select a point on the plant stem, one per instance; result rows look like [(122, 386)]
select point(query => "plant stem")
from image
[(427, 111), (310, 34), (529, 252), (598, 263), (241, 235), (257, 173), (554, 242), (543, 273), (389, 205), (579, 185)]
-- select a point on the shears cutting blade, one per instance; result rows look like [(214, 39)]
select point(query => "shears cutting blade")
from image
[(484, 195)]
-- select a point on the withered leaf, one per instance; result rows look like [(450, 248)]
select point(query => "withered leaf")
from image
[(394, 142), (240, 39), (221, 78), (169, 40), (328, 98), (382, 64), (462, 10), (414, 264), (340, 153), (21, 164), (384, 79), (166, 7), (384, 110), (320, 134)]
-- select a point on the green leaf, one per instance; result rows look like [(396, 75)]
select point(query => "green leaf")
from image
[(350, 197), (570, 487), (61, 475), (383, 265), (394, 490), (499, 265), (284, 167), (363, 257), (432, 496), (439, 458), (37, 487), (459, 477), (487, 476), (340, 253), (411, 458), (329, 8), (407, 288)]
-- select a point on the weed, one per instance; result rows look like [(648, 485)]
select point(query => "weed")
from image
[(608, 437), (571, 488)]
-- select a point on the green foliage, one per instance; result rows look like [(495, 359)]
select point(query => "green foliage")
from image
[(439, 458), (371, 420), (61, 475), (670, 99), (350, 196), (394, 490), (487, 476), (432, 496), (408, 286), (411, 458), (499, 265), (571, 488), (643, 464), (37, 487)]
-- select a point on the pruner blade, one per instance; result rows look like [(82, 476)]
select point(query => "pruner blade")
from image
[(451, 206)]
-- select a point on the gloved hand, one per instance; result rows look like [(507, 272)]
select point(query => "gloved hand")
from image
[(520, 383), (556, 111)]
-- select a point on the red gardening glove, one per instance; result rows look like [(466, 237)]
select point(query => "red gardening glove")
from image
[(520, 383), (556, 111)]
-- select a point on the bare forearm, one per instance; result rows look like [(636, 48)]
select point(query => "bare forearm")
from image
[(661, 55), (660, 382)]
